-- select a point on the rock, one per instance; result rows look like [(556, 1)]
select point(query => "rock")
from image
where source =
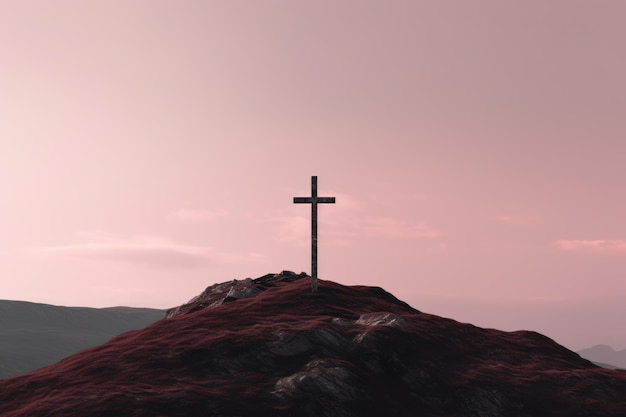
[(225, 292), (243, 292)]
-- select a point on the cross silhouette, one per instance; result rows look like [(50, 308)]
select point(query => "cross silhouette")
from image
[(314, 200)]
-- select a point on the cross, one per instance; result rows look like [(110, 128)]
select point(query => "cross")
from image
[(314, 200)]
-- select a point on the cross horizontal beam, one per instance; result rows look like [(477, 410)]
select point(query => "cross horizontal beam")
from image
[(316, 200)]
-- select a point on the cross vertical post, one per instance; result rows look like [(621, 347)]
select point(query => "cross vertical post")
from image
[(314, 200), (314, 232)]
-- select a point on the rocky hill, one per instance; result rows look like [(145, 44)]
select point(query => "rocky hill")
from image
[(271, 347), (33, 335)]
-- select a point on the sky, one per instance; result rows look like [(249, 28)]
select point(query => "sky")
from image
[(151, 148)]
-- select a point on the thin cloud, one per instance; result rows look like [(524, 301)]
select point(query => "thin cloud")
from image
[(351, 219), (596, 246), (296, 229), (388, 227), (293, 229), (191, 215), (151, 251), (513, 219), (341, 228)]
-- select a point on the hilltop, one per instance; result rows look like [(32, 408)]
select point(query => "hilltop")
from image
[(271, 347)]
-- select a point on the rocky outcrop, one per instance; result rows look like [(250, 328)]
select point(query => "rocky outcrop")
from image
[(225, 292), (272, 347)]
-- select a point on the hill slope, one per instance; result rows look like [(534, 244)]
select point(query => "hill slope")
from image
[(271, 347), (35, 335)]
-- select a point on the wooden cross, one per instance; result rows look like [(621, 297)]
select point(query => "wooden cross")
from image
[(314, 200)]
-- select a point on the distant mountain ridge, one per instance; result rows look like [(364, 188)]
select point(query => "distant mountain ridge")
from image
[(271, 347), (605, 354), (33, 335)]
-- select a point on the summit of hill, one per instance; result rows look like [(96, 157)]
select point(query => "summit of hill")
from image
[(272, 347)]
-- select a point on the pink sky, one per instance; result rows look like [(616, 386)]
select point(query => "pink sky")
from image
[(149, 149)]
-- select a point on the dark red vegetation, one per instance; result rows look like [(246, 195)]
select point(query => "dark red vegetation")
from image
[(271, 347)]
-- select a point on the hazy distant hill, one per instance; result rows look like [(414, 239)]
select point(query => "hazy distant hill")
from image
[(605, 354), (271, 347), (34, 335)]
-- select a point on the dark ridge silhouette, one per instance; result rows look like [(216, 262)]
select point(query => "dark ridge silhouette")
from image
[(33, 335), (272, 347)]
